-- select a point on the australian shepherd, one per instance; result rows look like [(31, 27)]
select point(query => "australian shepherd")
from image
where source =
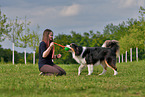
[(90, 56)]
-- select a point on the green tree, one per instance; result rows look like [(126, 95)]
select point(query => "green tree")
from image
[(4, 26), (63, 39), (24, 37), (34, 41), (97, 39), (7, 55), (136, 36), (115, 32), (17, 28)]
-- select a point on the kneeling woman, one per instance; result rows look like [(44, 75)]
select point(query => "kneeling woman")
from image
[(46, 54)]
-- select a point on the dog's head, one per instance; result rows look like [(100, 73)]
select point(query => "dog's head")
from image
[(75, 48)]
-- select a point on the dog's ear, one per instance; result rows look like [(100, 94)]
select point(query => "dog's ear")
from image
[(78, 50), (73, 45)]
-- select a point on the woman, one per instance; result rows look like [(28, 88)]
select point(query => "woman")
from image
[(46, 54)]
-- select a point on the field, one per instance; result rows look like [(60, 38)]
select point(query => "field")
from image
[(24, 81)]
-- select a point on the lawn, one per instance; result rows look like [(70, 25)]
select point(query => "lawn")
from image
[(21, 80)]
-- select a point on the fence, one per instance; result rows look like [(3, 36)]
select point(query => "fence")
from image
[(121, 59)]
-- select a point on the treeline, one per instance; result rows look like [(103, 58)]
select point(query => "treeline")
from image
[(130, 34), (6, 56)]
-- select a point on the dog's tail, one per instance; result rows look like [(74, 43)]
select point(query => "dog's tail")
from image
[(114, 45)]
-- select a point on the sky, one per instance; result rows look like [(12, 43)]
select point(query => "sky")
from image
[(64, 16)]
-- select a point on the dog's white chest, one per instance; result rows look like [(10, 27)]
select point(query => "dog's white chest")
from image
[(79, 59)]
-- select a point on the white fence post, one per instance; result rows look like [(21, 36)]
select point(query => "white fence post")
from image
[(25, 55), (130, 54), (137, 54), (119, 59), (126, 57), (13, 58), (122, 58), (33, 57)]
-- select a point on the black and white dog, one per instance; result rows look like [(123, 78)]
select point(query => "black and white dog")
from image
[(90, 56)]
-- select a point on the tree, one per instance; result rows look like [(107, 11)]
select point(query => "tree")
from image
[(4, 26), (17, 28), (142, 12), (97, 39), (115, 32), (63, 39), (34, 41), (136, 36), (134, 39), (24, 37)]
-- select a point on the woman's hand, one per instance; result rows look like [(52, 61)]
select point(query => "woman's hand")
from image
[(51, 44), (47, 51), (58, 56)]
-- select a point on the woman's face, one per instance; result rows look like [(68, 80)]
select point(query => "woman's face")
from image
[(50, 36)]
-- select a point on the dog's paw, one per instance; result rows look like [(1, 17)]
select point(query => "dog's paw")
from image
[(115, 72), (89, 73), (101, 74)]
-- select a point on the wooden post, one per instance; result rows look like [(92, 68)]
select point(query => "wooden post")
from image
[(130, 54)]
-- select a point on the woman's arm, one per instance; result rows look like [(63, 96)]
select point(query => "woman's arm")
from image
[(47, 51)]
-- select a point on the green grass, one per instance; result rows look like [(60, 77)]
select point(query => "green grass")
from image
[(24, 81)]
